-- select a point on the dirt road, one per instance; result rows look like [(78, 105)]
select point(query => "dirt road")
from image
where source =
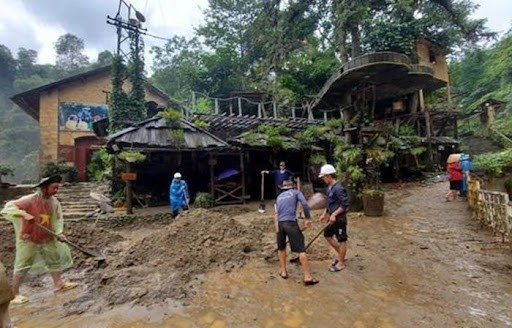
[(426, 263)]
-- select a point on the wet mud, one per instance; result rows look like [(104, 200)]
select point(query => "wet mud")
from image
[(426, 263)]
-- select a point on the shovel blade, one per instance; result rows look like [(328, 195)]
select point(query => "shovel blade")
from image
[(262, 208)]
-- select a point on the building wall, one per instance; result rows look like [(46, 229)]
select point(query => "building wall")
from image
[(92, 90), (440, 67)]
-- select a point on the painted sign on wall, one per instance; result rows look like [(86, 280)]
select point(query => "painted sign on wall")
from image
[(79, 116)]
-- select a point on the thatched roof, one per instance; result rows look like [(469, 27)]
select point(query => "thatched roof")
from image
[(157, 134)]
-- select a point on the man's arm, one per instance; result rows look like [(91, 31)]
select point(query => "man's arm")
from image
[(342, 197), (304, 204)]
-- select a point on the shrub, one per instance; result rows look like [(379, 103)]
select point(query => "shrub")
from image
[(60, 168), (203, 200), (5, 169)]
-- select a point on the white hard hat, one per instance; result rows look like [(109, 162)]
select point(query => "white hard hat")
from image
[(177, 175), (326, 169)]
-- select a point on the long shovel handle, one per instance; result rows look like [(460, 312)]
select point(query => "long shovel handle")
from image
[(317, 235), (262, 186), (83, 250)]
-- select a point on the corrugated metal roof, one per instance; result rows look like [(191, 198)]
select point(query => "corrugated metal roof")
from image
[(154, 133)]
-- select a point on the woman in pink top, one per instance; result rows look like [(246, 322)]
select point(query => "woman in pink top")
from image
[(454, 171)]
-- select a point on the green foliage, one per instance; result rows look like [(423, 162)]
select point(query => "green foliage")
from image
[(317, 159), (5, 169), (100, 165), (60, 168), (415, 151), (136, 76), (177, 136), (70, 56), (132, 156), (493, 164), (202, 124), (171, 115), (203, 200)]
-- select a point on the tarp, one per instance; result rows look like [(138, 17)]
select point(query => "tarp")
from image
[(227, 174)]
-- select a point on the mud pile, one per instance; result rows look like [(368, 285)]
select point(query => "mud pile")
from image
[(168, 263), (7, 245), (83, 234), (87, 236)]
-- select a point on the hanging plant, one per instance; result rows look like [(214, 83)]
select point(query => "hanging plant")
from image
[(132, 156)]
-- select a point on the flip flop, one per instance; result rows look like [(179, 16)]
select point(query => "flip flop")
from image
[(20, 299), (310, 282), (66, 286), (283, 275), (335, 269)]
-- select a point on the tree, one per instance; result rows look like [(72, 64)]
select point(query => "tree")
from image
[(26, 60), (7, 69), (69, 49), (178, 67)]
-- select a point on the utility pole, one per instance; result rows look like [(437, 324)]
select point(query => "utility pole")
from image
[(128, 23), (127, 107)]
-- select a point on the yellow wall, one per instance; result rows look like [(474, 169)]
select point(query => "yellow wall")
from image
[(91, 90), (440, 67)]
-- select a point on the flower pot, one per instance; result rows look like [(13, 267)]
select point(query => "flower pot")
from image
[(355, 203), (373, 204)]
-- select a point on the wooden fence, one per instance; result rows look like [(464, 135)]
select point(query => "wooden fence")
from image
[(492, 209)]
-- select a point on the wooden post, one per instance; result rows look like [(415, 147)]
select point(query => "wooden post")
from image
[(242, 172), (239, 106), (428, 131), (347, 115), (274, 109), (212, 181), (216, 106), (129, 190)]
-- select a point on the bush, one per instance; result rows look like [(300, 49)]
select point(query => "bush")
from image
[(5, 169), (203, 200), (60, 168)]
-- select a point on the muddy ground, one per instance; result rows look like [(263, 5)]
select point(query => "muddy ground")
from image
[(426, 263)]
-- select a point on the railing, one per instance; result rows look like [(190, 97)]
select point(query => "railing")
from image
[(492, 209)]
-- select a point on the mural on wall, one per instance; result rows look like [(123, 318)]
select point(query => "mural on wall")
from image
[(80, 116)]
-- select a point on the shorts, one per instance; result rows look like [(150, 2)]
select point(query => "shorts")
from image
[(291, 230), (456, 185), (27, 252), (338, 229)]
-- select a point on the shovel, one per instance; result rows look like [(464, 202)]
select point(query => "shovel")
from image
[(99, 256), (262, 204), (296, 259)]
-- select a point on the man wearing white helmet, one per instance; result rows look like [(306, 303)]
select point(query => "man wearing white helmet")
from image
[(337, 206), (178, 194)]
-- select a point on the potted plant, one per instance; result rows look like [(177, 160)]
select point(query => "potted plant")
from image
[(373, 193)]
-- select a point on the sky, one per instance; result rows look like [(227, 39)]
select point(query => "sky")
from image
[(37, 24)]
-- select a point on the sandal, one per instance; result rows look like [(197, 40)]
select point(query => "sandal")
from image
[(310, 282), (20, 299), (335, 269), (66, 286)]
